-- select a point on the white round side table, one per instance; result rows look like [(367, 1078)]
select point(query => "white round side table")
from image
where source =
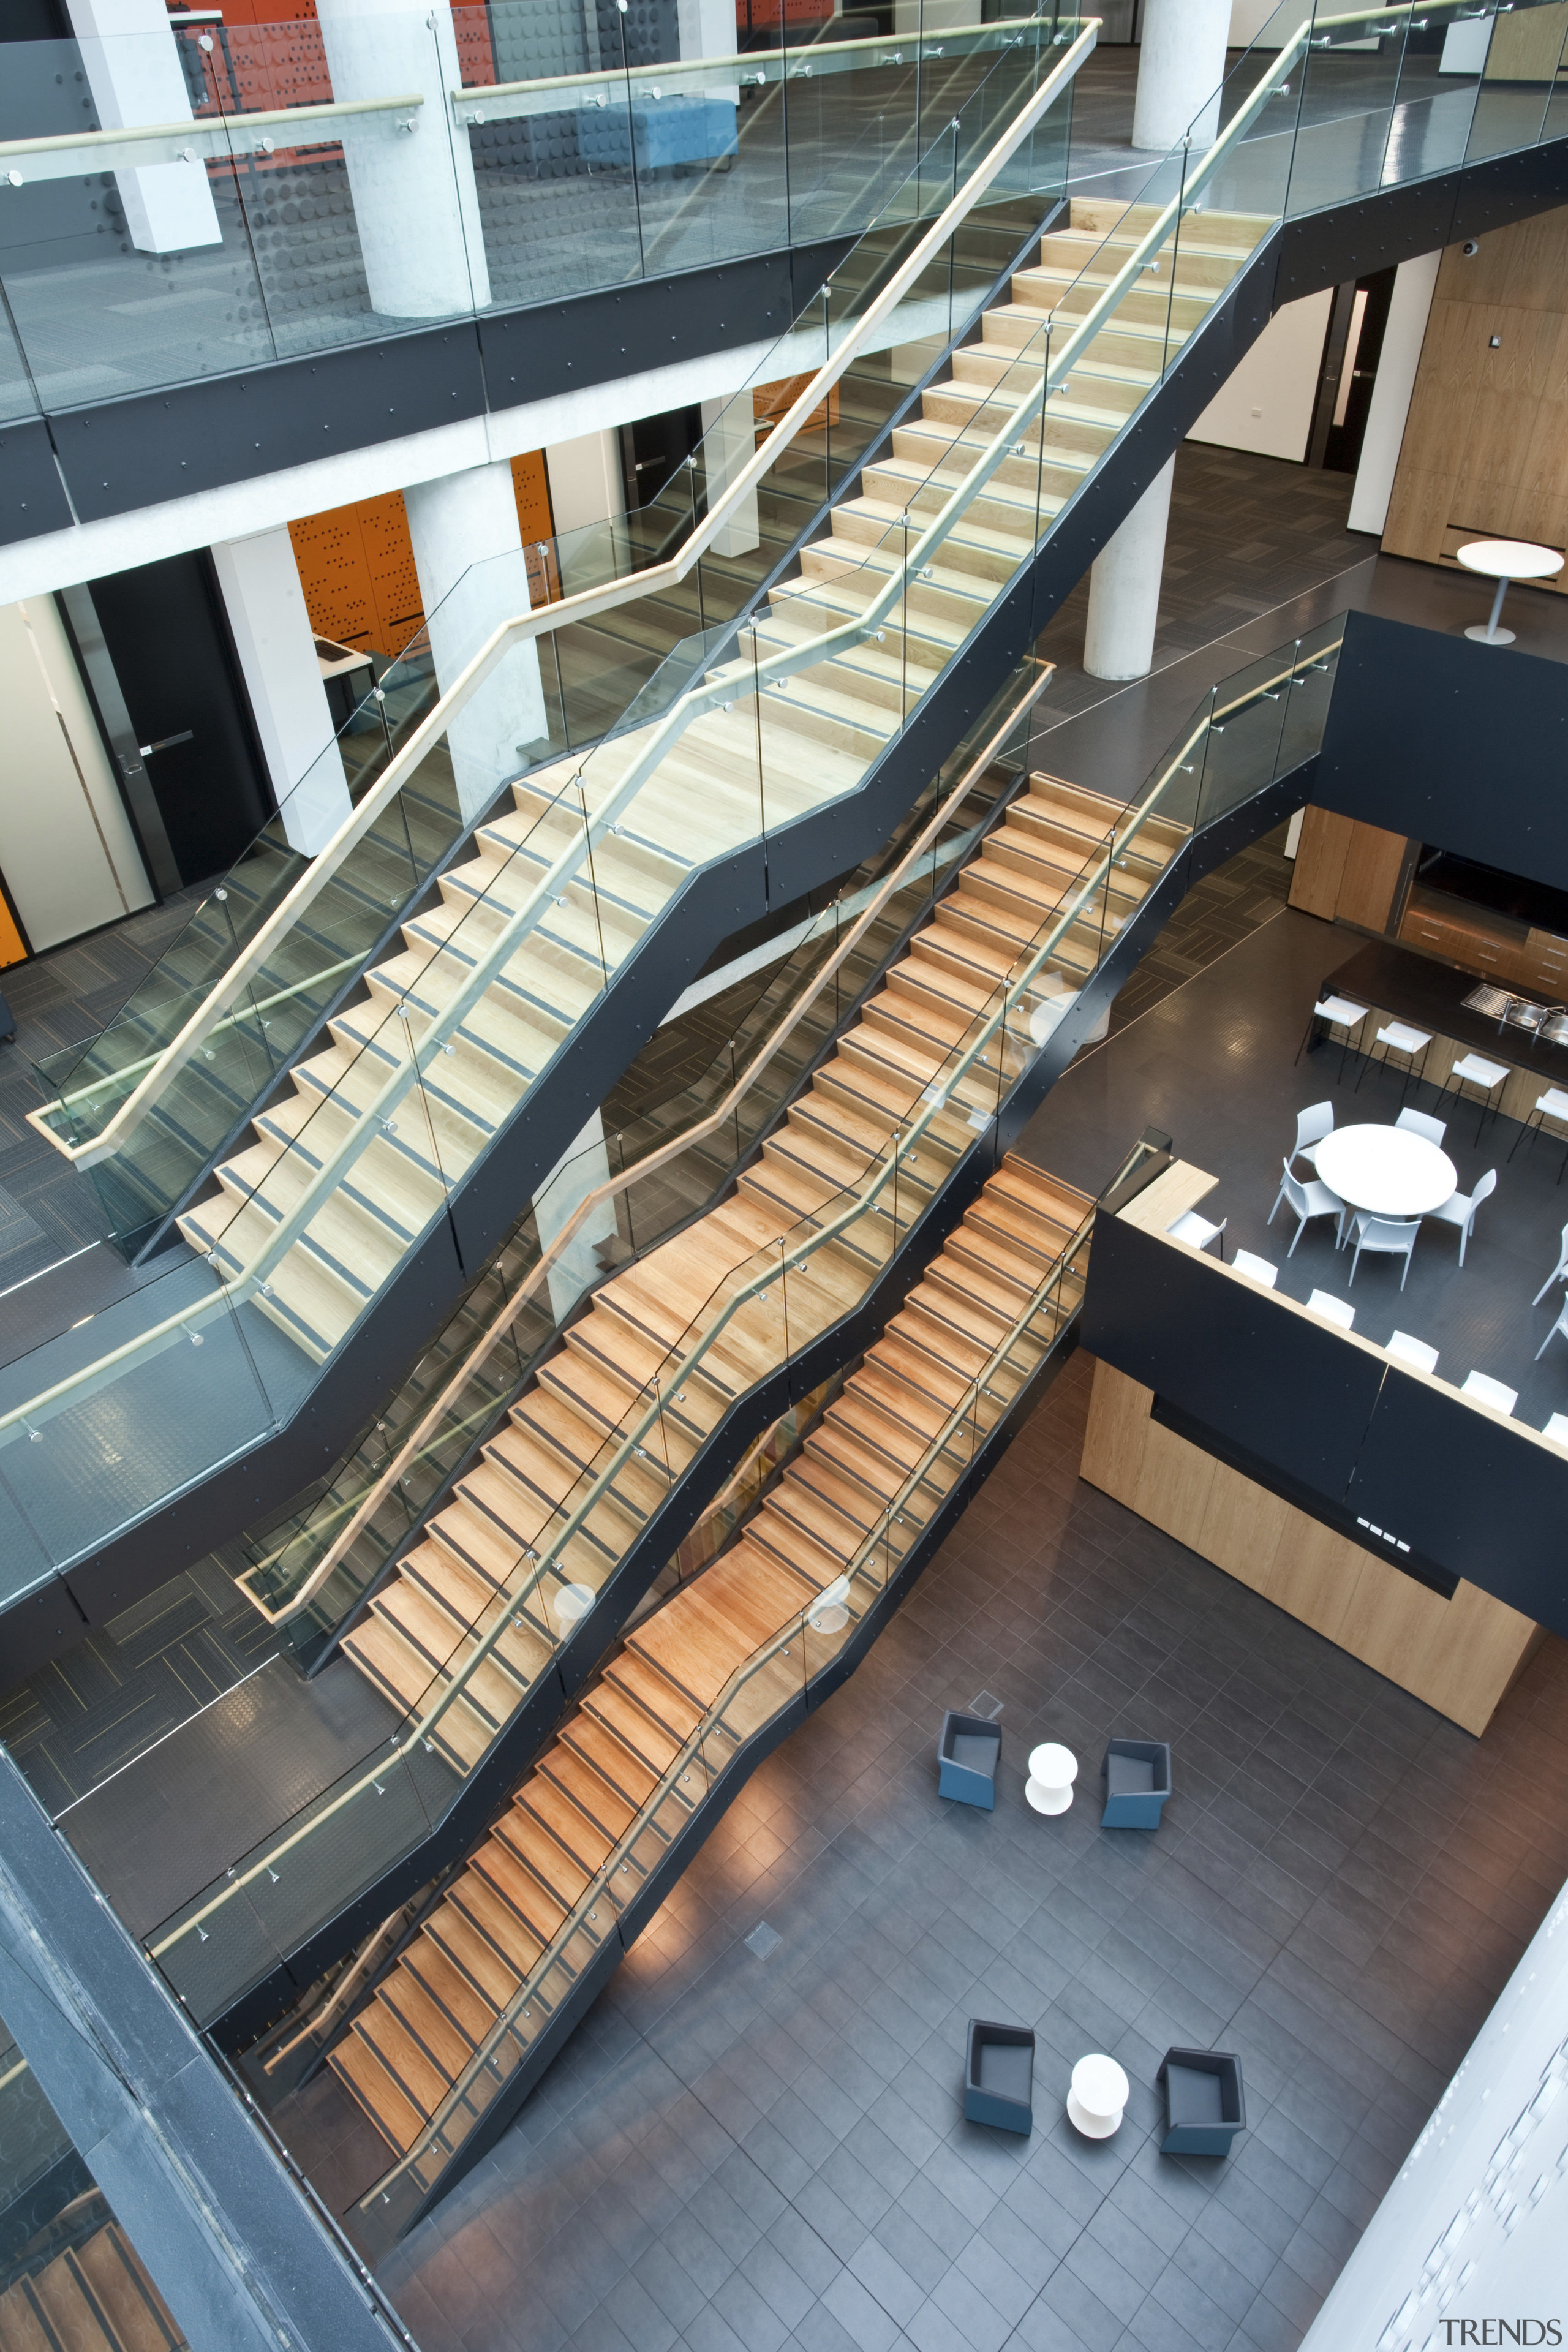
[(1052, 1771), (570, 1605), (1097, 2098), (1504, 559)]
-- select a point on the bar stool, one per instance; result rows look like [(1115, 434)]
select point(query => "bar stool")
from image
[(1399, 1038), (1553, 1104), (1333, 1013), (1475, 1070)]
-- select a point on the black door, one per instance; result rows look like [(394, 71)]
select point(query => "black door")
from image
[(165, 632), (652, 448)]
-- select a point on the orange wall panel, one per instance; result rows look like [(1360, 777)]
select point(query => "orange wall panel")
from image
[(356, 563)]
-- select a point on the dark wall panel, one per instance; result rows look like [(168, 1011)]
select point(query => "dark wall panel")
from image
[(1467, 1494), (1453, 743), (1286, 1389)]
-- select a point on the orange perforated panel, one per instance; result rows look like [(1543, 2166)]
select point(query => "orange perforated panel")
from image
[(13, 947), (270, 53), (356, 567), (356, 563)]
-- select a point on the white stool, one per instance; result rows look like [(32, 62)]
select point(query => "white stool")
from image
[(1557, 1428), (1190, 1227), (1475, 1070), (1553, 1104), (1339, 1012), (1399, 1038), (1052, 1771), (1489, 1391), (570, 1605), (1412, 1350), (1256, 1269), (1099, 2097)]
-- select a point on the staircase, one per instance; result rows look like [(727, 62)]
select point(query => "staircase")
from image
[(95, 2297), (351, 1167), (971, 1335), (471, 1623)]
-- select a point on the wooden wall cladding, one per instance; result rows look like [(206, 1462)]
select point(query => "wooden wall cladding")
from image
[(356, 563), (1485, 453), (1458, 1655), (1347, 872)]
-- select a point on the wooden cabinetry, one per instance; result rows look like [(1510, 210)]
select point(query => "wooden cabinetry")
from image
[(1531, 960), (1347, 872)]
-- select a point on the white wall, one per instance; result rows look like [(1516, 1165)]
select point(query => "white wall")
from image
[(1475, 2225), (66, 848), (1397, 364), (1266, 405)]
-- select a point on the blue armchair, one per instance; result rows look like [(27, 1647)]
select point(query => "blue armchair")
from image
[(967, 1756), (1137, 1776), (999, 2076), (1204, 2106)]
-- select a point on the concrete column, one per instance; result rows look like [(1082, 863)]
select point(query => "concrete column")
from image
[(1397, 362), (584, 1165), (728, 441), (411, 176), (277, 649), (1124, 588), (1180, 68), (473, 574), (133, 71)]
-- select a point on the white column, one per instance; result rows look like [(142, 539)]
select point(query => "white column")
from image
[(584, 1165), (1397, 364), (133, 71), (276, 648), (473, 574), (1180, 68), (1124, 588), (728, 441), (411, 175)]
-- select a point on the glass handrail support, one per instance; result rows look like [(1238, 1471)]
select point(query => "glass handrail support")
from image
[(95, 1111), (899, 633), (773, 1303), (806, 1656), (418, 187), (744, 1099)]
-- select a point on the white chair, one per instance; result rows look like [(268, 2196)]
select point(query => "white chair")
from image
[(1331, 1310), (1557, 1428), (1461, 1209), (1341, 1012), (1416, 1122), (1412, 1350), (1400, 1038), (1191, 1227), (1553, 1104), (1386, 1236), (1561, 1325), (1475, 1070), (1312, 1199), (1312, 1126), (1558, 1273), (1256, 1269), (1489, 1391)]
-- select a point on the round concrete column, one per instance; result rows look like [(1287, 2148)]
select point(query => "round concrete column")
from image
[(1180, 68), (473, 574), (411, 174), (1124, 588)]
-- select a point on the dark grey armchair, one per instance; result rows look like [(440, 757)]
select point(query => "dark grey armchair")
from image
[(999, 2076), (967, 1756), (1204, 2106), (1137, 1776)]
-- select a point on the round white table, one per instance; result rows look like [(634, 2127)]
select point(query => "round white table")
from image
[(1504, 559), (1097, 2098), (1387, 1169), (1052, 1771)]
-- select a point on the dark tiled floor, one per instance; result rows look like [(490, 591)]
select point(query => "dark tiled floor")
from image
[(739, 2154), (1213, 1067), (1226, 907)]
